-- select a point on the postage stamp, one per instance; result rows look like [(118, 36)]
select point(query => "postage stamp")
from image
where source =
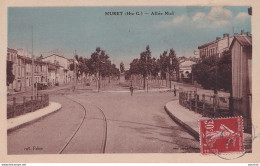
[(224, 135)]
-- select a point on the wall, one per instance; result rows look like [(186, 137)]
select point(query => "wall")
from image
[(62, 61), (241, 83)]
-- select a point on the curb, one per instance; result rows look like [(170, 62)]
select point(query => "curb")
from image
[(191, 131), (31, 121)]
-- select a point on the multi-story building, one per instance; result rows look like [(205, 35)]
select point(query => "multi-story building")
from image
[(63, 74), (12, 56), (51, 69), (218, 46), (52, 74), (24, 53), (22, 70)]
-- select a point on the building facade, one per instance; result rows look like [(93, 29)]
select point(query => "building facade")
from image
[(12, 56), (50, 70), (63, 73), (185, 70), (216, 47), (241, 49)]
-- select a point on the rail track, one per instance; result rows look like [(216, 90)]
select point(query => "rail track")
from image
[(104, 140)]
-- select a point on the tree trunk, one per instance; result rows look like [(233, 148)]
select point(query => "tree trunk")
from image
[(144, 82)]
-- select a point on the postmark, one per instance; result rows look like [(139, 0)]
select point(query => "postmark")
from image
[(224, 135)]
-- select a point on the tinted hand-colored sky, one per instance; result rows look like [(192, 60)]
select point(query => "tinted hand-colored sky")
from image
[(123, 37)]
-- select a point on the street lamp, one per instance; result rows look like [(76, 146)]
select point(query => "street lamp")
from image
[(32, 67)]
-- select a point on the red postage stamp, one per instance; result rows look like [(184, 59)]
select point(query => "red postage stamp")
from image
[(223, 135)]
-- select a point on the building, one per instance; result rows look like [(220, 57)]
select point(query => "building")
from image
[(63, 74), (216, 47), (241, 49), (40, 72), (12, 56), (185, 70), (24, 53), (52, 72), (22, 70)]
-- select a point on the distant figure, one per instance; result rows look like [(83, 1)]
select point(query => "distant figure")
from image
[(131, 90), (20, 86), (174, 90), (215, 91)]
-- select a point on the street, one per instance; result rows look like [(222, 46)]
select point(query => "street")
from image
[(104, 122)]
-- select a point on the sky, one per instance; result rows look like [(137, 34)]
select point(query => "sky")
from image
[(123, 37)]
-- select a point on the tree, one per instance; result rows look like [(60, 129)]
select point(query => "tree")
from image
[(214, 72), (134, 67), (155, 67), (205, 72), (174, 62), (225, 71), (122, 67), (145, 63), (163, 63), (114, 71), (99, 63), (168, 63), (9, 73)]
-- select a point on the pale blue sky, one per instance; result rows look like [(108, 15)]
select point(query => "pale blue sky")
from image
[(123, 37)]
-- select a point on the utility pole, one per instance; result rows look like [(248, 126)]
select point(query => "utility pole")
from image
[(170, 73), (75, 71), (32, 66)]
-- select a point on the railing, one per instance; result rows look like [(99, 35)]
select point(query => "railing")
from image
[(209, 106), (20, 106)]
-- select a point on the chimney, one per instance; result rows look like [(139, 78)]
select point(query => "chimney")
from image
[(250, 11), (242, 32), (225, 35), (248, 34), (217, 38)]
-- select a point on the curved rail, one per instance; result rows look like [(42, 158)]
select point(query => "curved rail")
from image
[(105, 136), (77, 129), (104, 141)]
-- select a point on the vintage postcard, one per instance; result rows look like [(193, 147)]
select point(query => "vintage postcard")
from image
[(86, 82)]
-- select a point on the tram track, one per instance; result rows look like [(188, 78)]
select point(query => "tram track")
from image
[(69, 140), (77, 129)]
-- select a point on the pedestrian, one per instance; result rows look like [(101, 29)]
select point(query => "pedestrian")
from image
[(174, 90), (131, 90)]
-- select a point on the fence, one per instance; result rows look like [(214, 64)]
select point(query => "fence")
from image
[(210, 106), (26, 104)]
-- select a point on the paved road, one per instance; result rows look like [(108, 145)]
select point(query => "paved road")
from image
[(131, 124)]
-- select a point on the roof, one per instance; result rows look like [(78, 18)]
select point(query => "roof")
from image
[(215, 41), (207, 44), (242, 40), (187, 63), (56, 55), (11, 50)]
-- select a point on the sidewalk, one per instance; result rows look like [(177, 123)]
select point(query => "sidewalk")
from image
[(19, 121), (137, 90), (189, 121)]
